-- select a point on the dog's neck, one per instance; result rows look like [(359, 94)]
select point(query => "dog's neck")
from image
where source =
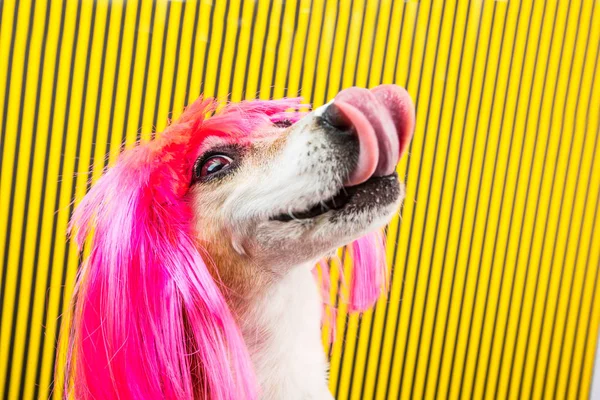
[(281, 327)]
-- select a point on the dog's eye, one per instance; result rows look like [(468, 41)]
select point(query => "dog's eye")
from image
[(284, 123), (212, 165)]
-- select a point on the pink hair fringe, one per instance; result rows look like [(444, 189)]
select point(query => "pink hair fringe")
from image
[(369, 271), (368, 278), (149, 320)]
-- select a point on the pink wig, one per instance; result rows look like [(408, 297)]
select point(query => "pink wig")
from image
[(149, 319)]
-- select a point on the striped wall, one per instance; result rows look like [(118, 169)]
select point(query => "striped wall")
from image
[(496, 257)]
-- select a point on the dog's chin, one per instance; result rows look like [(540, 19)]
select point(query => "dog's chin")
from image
[(331, 223)]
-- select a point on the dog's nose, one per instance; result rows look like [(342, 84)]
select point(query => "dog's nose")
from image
[(382, 119), (336, 118)]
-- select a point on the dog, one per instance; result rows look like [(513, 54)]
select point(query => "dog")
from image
[(202, 243)]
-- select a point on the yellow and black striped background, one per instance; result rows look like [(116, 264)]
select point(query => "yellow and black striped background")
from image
[(494, 286)]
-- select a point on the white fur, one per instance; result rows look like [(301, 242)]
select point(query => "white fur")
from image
[(288, 172), (282, 331)]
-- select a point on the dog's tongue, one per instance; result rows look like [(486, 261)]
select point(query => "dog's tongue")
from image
[(383, 118)]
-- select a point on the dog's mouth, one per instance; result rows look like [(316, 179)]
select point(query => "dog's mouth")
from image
[(336, 202), (380, 121), (376, 191)]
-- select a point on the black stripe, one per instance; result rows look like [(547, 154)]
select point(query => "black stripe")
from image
[(487, 292), (71, 188), (578, 320), (146, 68), (522, 146), (425, 130), (430, 183), (395, 255), (99, 96), (59, 186), (487, 217), (192, 52), (342, 364), (177, 56), (386, 229), (305, 47), (397, 317), (386, 45), (131, 70), (589, 319), (462, 136), (249, 54), (500, 135), (341, 269), (341, 81), (312, 91), (417, 104), (2, 141), (583, 147), (33, 285), (537, 204), (437, 220), (352, 381), (392, 274), (373, 37), (560, 289), (1, 13), (360, 42), (578, 244), (44, 185), (423, 231), (504, 181), (392, 266), (5, 110), (114, 88), (77, 155), (287, 77), (263, 50), (226, 31), (209, 44), (478, 275), (277, 46), (369, 329), (358, 330), (160, 70), (236, 50), (17, 299), (400, 41)]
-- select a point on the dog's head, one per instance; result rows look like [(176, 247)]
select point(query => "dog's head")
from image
[(225, 204)]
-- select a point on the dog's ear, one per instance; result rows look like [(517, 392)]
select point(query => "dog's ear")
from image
[(149, 321)]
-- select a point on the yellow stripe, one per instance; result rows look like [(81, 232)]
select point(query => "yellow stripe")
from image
[(22, 181), (185, 61), (125, 67), (167, 76), (22, 153), (589, 236), (377, 320), (285, 48)]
